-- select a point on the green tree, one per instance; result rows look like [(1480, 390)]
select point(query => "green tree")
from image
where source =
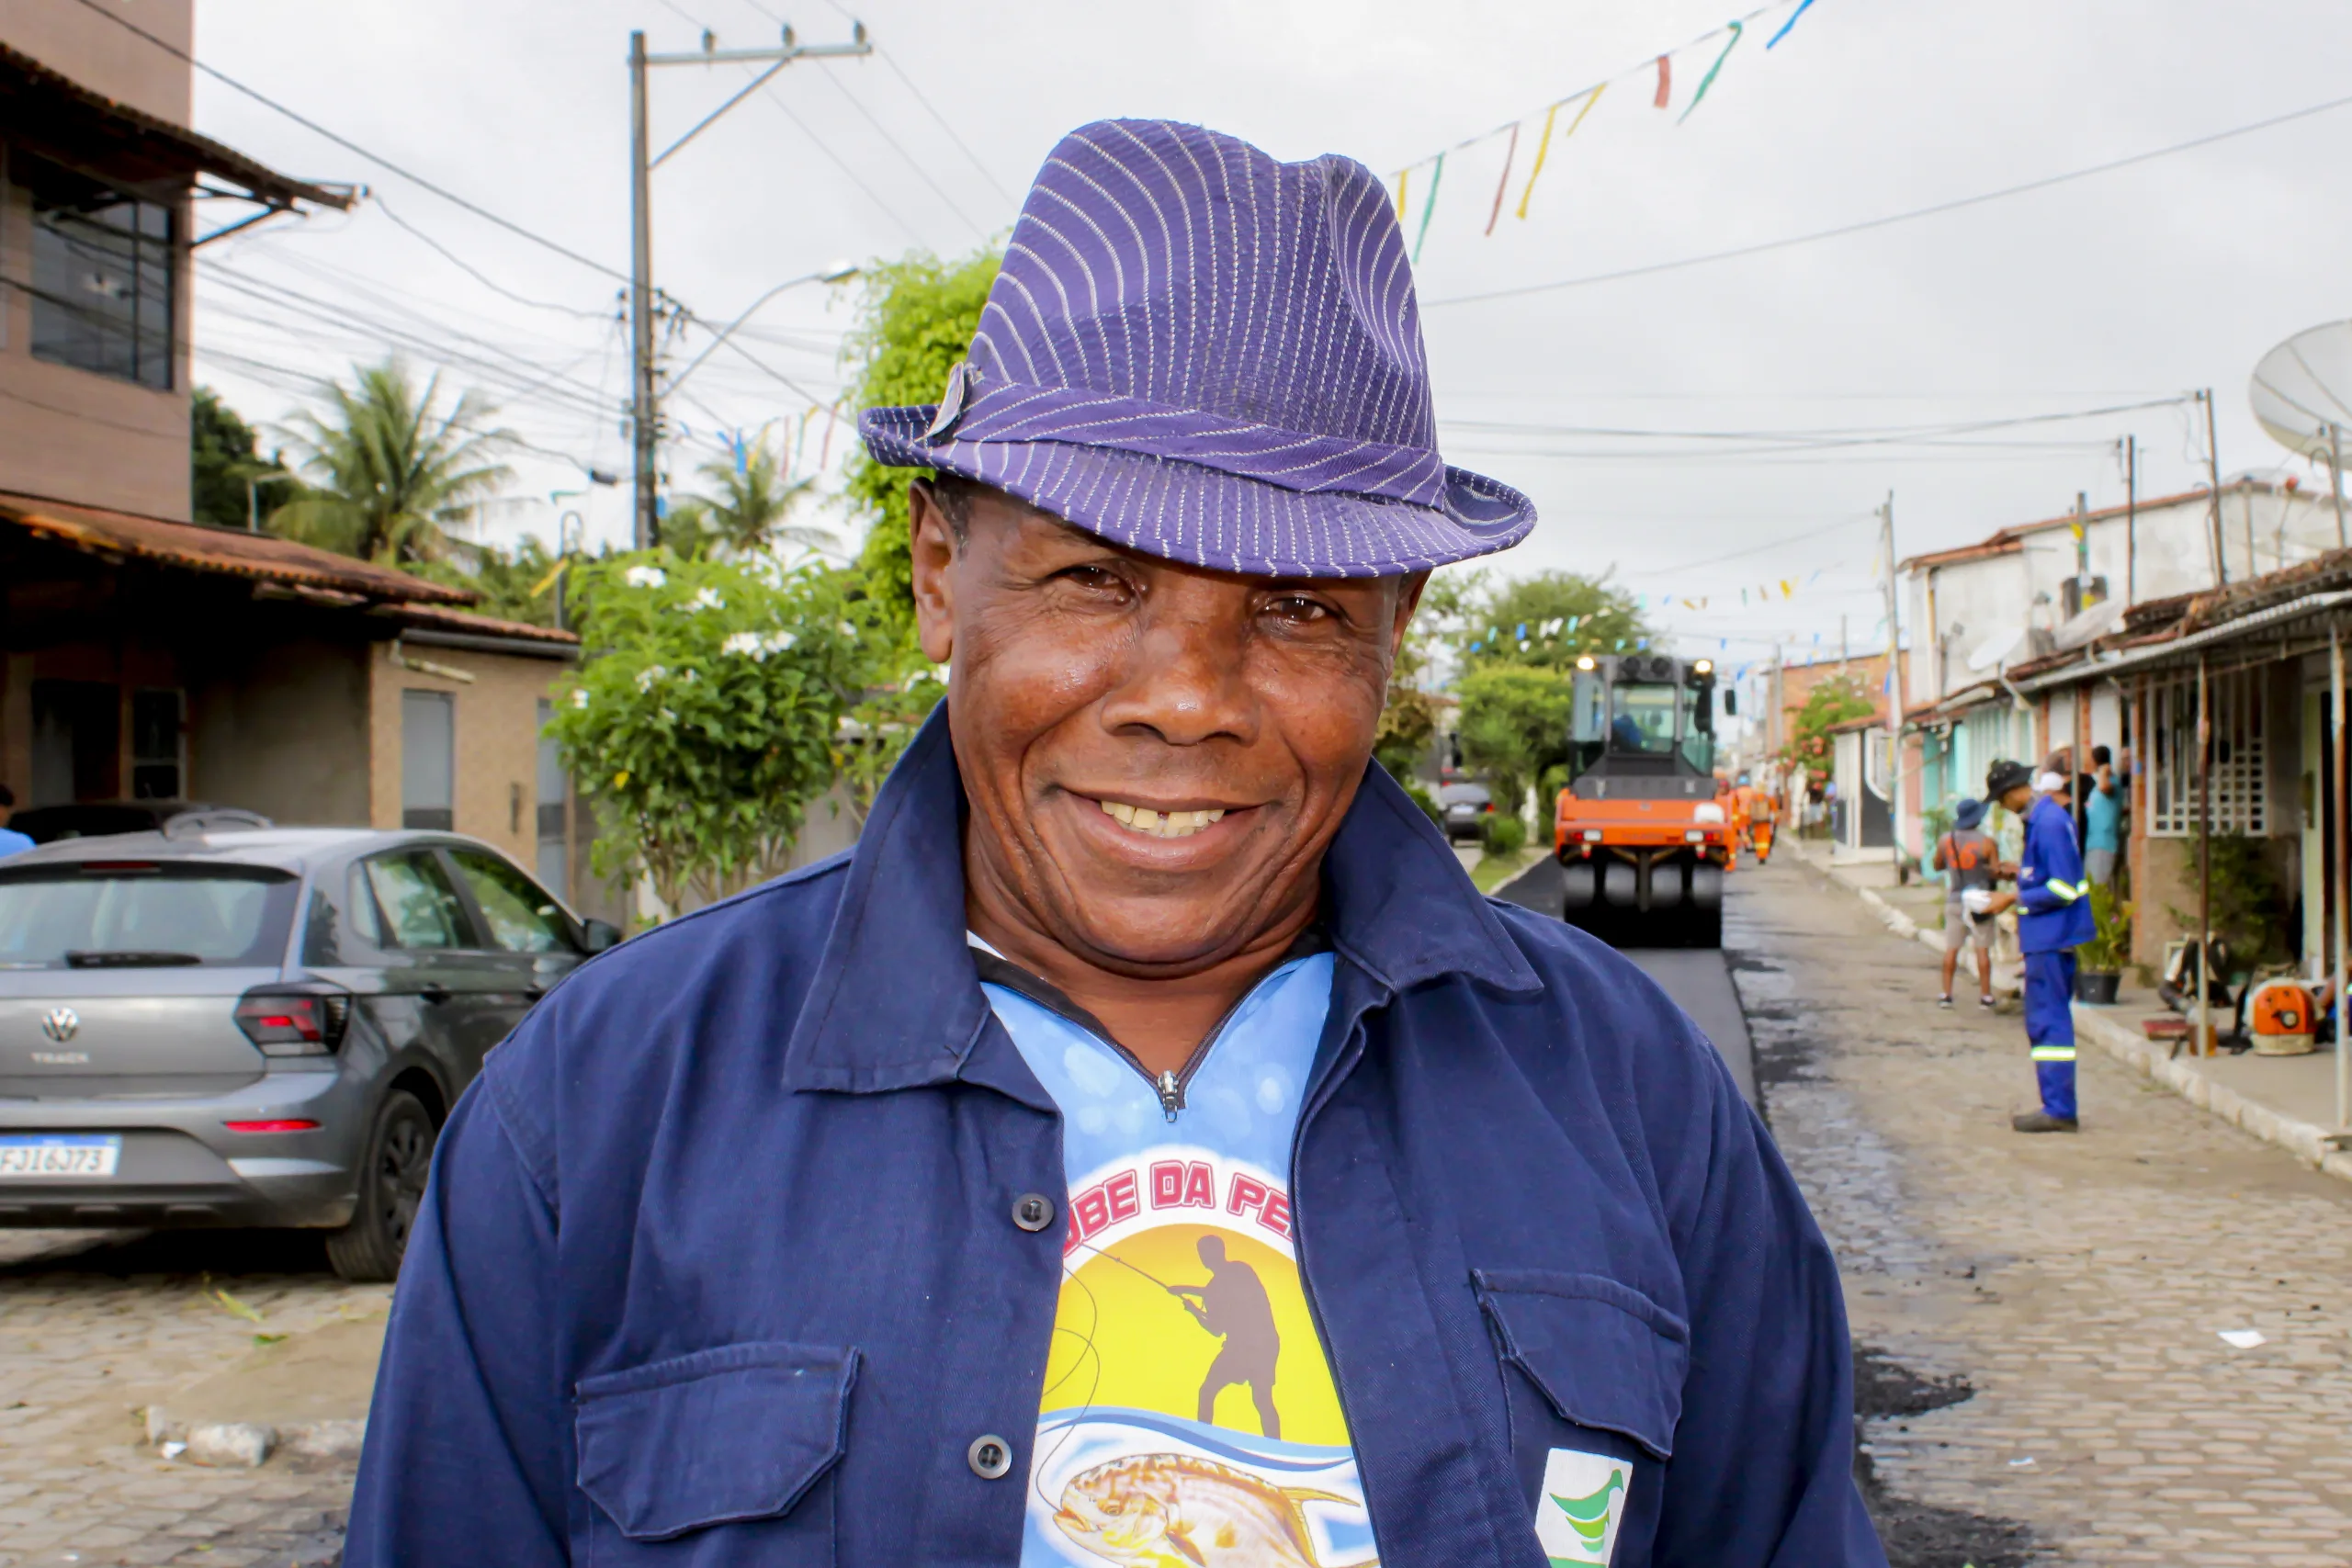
[(916, 318), (516, 584), (1556, 615), (1513, 726), (385, 471), (704, 720), (223, 458), (742, 513), (1839, 700)]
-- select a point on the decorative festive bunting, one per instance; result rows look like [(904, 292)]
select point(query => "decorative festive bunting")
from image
[(1738, 32), (1665, 80), (1437, 178), (1589, 100), (1802, 6), (1402, 176), (1504, 183)]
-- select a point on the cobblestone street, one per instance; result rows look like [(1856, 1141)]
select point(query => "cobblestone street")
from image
[(94, 1327), (2040, 1316)]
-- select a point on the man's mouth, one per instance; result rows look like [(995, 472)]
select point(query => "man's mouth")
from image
[(1159, 824)]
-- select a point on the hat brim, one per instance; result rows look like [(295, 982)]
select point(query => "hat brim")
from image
[(1188, 513)]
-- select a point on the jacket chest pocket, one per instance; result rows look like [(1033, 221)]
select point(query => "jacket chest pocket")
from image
[(724, 1456), (1593, 1373)]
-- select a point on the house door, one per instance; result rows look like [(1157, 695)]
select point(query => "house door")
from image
[(77, 742)]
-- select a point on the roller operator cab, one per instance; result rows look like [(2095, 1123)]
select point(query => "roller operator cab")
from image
[(1643, 838)]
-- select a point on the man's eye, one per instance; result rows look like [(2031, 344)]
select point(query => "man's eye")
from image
[(1299, 610), (1100, 579)]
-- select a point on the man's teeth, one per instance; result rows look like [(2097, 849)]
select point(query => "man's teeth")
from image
[(1161, 824)]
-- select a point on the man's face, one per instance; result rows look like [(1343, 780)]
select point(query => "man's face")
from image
[(2018, 798), (1156, 755)]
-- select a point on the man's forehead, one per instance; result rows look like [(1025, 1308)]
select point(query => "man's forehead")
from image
[(1031, 527)]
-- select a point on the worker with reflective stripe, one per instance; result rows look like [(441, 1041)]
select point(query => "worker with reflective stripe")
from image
[(2054, 897)]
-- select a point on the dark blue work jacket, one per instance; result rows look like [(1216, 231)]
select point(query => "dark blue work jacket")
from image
[(2052, 896), (719, 1261)]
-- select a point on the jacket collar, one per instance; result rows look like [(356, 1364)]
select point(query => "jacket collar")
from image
[(896, 1001)]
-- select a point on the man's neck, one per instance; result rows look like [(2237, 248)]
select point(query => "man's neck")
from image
[(1160, 1020)]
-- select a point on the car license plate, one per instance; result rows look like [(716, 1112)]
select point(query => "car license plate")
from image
[(64, 1154)]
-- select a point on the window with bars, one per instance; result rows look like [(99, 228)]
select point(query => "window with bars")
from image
[(2240, 802)]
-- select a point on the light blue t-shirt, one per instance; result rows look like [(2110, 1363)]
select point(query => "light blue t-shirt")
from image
[(2103, 819), (13, 843), (1188, 1414)]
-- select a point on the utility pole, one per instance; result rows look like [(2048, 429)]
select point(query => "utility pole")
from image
[(1893, 690), (2130, 520), (2213, 471), (645, 403)]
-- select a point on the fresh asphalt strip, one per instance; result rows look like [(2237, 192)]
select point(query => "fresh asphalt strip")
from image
[(1698, 978)]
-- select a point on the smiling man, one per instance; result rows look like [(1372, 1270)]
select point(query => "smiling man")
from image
[(1146, 1148)]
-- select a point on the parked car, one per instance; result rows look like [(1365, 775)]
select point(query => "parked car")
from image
[(256, 1027), (94, 818), (1466, 808)]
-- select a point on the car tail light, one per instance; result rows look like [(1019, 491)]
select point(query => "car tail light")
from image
[(294, 1023), (1592, 835), (285, 1125), (1489, 807)]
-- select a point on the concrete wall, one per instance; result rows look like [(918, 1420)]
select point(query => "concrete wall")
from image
[(68, 433), (2264, 528), (497, 735), (76, 42), (283, 731)]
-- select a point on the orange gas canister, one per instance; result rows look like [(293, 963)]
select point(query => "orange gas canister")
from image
[(2279, 1015)]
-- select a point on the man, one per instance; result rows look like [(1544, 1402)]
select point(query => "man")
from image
[(836, 1222), (2056, 919), (11, 841), (1970, 863), (1235, 1307), (2102, 819)]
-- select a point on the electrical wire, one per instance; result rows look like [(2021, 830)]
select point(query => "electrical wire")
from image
[(477, 274), (1887, 220), (920, 97), (350, 146), (920, 173), (776, 98)]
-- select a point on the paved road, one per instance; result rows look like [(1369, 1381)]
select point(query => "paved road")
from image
[(2043, 1370), (1699, 979), (96, 1325)]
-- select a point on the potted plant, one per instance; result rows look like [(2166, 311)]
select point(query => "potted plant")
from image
[(2101, 960)]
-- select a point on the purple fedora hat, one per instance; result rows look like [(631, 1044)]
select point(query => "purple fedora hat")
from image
[(1207, 355)]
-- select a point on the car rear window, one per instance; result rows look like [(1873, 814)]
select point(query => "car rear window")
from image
[(108, 915)]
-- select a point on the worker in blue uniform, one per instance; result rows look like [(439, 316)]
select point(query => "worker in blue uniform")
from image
[(2054, 900), (1146, 1145)]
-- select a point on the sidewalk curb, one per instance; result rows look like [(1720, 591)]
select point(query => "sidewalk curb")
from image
[(2306, 1142), (2303, 1139)]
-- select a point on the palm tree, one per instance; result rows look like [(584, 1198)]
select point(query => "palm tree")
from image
[(744, 514), (385, 474)]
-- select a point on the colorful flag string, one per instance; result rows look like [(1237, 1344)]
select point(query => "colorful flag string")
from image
[(1402, 177), (1665, 80), (1504, 183), (1536, 172), (1437, 178), (1802, 6), (1738, 32)]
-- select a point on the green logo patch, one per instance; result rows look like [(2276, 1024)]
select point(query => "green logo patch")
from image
[(1583, 1499)]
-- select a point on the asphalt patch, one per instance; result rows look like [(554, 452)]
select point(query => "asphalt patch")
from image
[(1915, 1534)]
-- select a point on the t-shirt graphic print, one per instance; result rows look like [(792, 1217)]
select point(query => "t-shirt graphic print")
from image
[(1188, 1418)]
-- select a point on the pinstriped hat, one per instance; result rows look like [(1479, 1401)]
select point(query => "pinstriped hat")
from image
[(1204, 355)]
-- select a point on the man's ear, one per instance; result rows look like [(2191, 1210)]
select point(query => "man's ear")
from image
[(930, 549), (1409, 599)]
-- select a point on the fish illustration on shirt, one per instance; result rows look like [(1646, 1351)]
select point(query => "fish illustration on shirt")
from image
[(1175, 1511)]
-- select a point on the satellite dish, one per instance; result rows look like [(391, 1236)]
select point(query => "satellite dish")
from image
[(1988, 654), (2302, 392)]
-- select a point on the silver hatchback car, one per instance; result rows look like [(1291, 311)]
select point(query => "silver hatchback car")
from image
[(256, 1027)]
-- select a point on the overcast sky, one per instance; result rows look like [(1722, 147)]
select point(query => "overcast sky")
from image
[(2123, 288)]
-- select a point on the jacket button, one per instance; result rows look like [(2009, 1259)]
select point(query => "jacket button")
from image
[(990, 1457), (1033, 1211)]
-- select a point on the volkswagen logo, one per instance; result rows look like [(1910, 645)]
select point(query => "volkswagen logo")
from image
[(61, 1024)]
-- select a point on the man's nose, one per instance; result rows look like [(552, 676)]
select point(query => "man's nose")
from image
[(1186, 681)]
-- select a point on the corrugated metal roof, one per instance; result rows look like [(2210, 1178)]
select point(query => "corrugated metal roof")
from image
[(55, 113), (197, 546), (441, 619)]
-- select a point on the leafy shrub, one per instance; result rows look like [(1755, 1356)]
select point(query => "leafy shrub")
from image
[(1506, 834)]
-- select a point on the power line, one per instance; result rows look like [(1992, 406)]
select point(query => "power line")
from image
[(348, 145), (920, 173), (1891, 219), (920, 97), (477, 275), (777, 100)]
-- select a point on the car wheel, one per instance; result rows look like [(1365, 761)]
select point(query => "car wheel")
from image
[(392, 1190)]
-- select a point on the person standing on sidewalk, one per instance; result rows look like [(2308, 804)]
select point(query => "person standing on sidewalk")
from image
[(2102, 819), (1970, 859), (2055, 920)]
